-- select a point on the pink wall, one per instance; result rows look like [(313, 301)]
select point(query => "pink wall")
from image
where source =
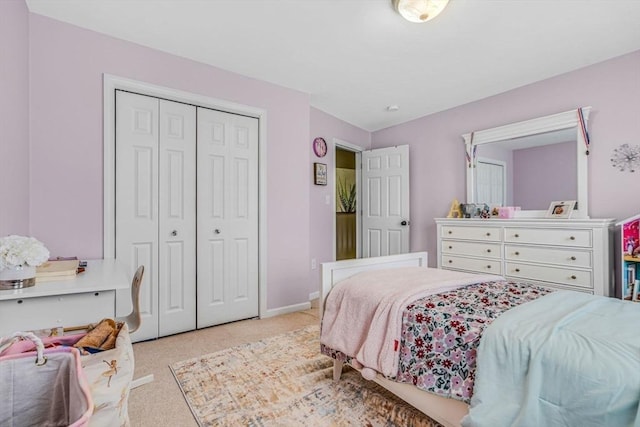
[(544, 174), (321, 213), (56, 191), (66, 189), (612, 88), (14, 118)]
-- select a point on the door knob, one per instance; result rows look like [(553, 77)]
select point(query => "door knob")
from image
[(174, 233), (404, 223), (216, 231)]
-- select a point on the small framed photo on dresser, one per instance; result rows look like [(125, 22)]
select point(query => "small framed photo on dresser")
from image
[(561, 209)]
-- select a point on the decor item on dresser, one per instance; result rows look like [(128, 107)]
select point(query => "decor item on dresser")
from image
[(573, 254), (628, 281), (437, 339), (503, 164), (320, 174), (19, 257), (455, 211), (561, 209)]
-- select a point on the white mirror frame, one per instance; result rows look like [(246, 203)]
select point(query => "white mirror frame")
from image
[(565, 120)]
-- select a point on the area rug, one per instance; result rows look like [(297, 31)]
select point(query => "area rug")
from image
[(285, 381)]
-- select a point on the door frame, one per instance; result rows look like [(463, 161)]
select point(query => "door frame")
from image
[(344, 145), (110, 84)]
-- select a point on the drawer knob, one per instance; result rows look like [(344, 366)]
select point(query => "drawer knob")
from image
[(488, 266), (573, 276), (19, 301), (96, 294), (517, 253), (450, 247), (488, 234), (517, 270), (517, 235), (450, 261), (573, 258), (489, 250), (450, 232), (572, 238), (174, 233)]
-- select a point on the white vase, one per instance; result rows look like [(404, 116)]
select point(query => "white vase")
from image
[(21, 276)]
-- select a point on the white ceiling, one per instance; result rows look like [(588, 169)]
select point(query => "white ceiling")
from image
[(356, 57)]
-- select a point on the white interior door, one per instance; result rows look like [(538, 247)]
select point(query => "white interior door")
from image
[(136, 213), (490, 182), (177, 218), (227, 180), (385, 201)]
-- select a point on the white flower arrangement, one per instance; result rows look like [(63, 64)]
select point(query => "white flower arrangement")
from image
[(20, 250)]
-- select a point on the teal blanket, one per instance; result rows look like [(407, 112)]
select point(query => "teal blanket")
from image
[(565, 359)]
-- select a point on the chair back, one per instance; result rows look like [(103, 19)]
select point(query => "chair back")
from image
[(134, 319)]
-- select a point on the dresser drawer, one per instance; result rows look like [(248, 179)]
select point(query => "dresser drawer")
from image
[(565, 276), (549, 236), (565, 257), (59, 310), (488, 234), (481, 249), (489, 266)]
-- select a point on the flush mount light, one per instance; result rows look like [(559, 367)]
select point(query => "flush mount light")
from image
[(419, 10), (393, 108)]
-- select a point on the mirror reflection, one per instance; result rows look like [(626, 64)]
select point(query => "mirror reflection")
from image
[(529, 171), (531, 164)]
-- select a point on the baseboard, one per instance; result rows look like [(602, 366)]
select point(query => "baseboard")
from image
[(314, 295), (287, 309)]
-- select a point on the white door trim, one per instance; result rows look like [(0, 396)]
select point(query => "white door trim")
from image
[(110, 84), (358, 150)]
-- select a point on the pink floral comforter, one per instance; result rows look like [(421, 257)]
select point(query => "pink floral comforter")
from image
[(441, 333)]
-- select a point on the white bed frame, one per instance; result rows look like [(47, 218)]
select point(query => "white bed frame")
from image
[(448, 412)]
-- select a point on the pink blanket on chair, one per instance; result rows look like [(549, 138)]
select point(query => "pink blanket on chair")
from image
[(363, 314)]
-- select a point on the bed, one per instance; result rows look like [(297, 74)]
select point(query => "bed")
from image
[(622, 358)]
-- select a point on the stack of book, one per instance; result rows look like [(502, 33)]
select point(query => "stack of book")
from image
[(57, 270)]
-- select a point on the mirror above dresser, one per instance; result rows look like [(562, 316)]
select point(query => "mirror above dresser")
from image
[(530, 164)]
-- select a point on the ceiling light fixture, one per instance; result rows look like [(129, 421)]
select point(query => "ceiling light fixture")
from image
[(419, 10)]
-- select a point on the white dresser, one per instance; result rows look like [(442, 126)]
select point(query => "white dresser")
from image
[(561, 254)]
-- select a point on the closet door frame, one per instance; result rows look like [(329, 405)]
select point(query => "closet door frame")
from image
[(112, 83)]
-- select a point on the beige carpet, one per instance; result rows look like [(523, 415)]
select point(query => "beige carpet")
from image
[(285, 381)]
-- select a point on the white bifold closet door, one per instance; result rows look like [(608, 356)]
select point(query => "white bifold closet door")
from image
[(156, 208), (227, 252)]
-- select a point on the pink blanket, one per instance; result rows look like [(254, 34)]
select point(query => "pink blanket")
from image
[(363, 314)]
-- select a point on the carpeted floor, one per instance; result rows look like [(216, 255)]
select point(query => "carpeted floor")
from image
[(285, 381)]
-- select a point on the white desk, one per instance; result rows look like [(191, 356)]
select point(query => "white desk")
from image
[(87, 298)]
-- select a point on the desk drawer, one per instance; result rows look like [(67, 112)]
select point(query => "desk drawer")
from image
[(480, 249), (549, 236), (489, 266), (489, 234), (53, 311), (565, 257), (565, 276)]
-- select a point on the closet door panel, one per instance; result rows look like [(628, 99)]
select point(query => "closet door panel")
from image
[(177, 217), (228, 213), (137, 202)]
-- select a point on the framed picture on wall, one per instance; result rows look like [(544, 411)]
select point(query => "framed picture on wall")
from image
[(562, 209), (320, 174)]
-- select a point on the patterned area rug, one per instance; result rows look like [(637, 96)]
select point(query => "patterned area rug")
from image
[(285, 381)]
